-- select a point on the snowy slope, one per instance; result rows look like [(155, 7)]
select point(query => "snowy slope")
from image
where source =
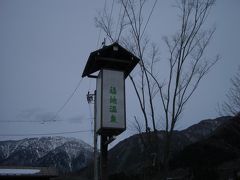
[(66, 154)]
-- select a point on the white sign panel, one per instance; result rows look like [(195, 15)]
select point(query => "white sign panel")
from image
[(110, 101)]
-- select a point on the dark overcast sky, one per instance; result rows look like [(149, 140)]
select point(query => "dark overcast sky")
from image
[(44, 46)]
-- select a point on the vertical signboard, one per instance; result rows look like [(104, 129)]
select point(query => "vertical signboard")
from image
[(110, 115)]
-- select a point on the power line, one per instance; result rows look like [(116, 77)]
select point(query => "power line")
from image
[(100, 30), (105, 3), (68, 99), (111, 10), (149, 18), (118, 21), (33, 121), (45, 134), (22, 121), (99, 34), (53, 119)]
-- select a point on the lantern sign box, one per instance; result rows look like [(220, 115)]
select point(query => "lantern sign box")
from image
[(110, 100)]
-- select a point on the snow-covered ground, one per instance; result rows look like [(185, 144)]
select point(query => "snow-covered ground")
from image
[(18, 171)]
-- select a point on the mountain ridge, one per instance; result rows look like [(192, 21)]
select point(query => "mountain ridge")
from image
[(133, 157), (128, 156), (59, 152)]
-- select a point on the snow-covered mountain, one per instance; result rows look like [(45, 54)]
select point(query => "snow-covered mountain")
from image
[(66, 154)]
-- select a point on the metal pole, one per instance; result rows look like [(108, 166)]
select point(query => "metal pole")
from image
[(95, 142), (92, 98)]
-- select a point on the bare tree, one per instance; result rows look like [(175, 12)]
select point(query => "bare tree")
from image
[(187, 63), (231, 106), (130, 29)]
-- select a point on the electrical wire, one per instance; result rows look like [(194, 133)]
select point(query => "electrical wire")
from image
[(111, 10), (67, 101), (23, 121), (105, 4), (39, 121), (148, 18), (118, 21), (99, 34), (53, 119), (46, 134)]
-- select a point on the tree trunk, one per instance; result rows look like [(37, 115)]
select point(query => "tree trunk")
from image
[(166, 158)]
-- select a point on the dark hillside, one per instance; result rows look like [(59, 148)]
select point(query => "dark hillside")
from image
[(206, 157), (141, 152)]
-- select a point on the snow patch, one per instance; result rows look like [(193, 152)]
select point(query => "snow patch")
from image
[(18, 171)]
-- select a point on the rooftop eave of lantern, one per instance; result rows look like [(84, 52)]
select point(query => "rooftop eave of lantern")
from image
[(111, 57)]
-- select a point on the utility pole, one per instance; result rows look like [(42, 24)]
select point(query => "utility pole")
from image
[(91, 98), (105, 140)]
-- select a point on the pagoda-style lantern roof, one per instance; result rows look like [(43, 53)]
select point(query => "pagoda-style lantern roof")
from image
[(113, 57)]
